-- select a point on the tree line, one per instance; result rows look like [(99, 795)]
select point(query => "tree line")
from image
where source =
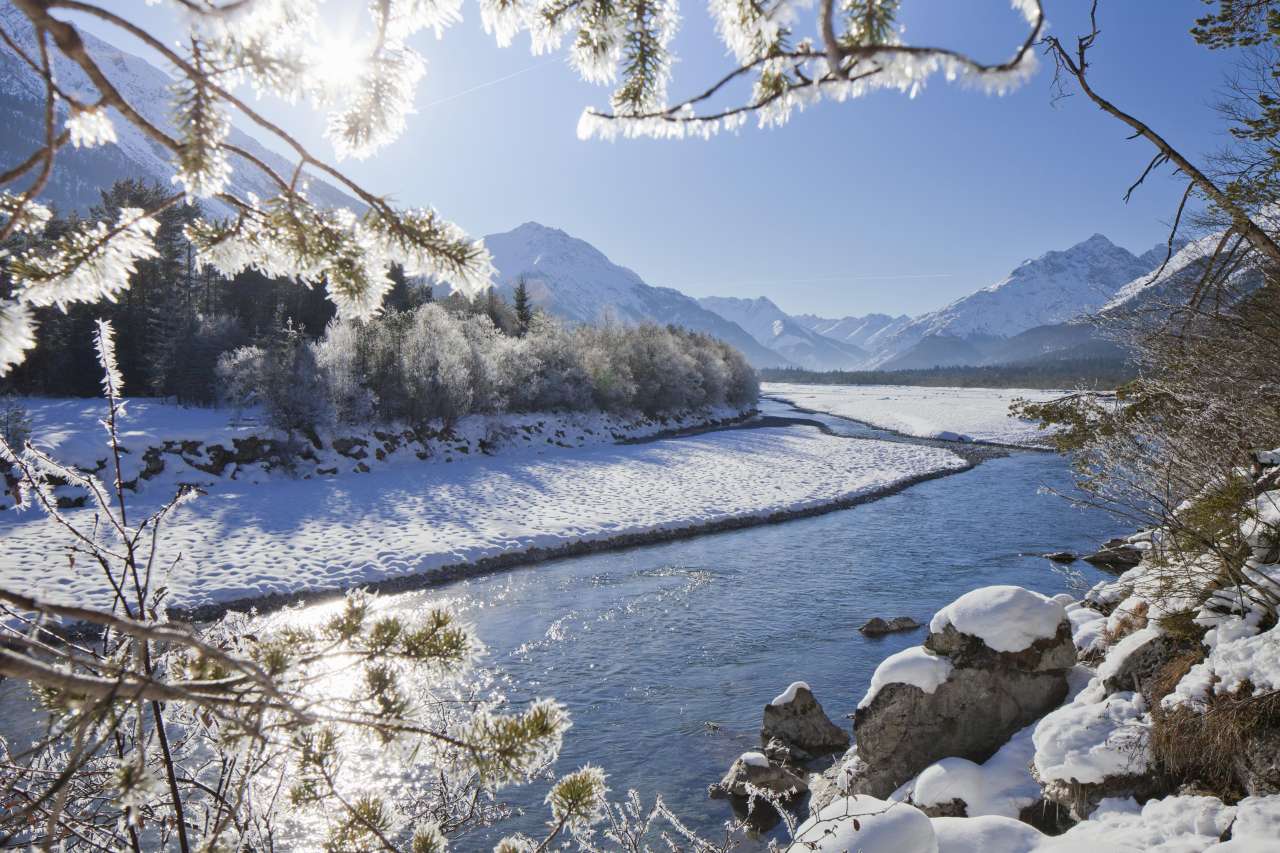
[(189, 333)]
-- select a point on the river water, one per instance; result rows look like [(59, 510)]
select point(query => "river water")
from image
[(666, 654)]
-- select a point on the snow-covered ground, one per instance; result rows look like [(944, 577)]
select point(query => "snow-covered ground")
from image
[(248, 539), (974, 414)]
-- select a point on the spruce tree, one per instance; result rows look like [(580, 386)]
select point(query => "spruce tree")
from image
[(524, 311)]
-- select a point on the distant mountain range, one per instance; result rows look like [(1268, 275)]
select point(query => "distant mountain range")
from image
[(786, 335), (572, 279)]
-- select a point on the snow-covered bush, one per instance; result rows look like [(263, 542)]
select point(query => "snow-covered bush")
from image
[(341, 367), (284, 378), (15, 422), (434, 364)]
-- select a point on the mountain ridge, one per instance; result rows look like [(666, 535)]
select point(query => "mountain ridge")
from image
[(569, 278)]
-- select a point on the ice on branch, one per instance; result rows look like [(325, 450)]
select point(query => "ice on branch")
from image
[(91, 262), (351, 256), (90, 128), (202, 166), (17, 333), (376, 109), (31, 217)]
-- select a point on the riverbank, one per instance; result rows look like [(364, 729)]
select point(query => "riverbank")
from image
[(251, 542), (979, 415)]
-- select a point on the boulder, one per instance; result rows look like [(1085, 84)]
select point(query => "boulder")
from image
[(876, 626), (1257, 764), (994, 662), (970, 715), (797, 721), (754, 769), (1115, 555), (1136, 662), (1061, 557)]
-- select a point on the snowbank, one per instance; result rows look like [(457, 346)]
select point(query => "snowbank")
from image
[(915, 665), (952, 414), (1006, 618), (1092, 738), (246, 540), (1003, 786), (866, 824)]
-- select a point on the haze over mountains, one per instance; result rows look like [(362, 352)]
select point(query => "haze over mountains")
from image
[(1025, 317)]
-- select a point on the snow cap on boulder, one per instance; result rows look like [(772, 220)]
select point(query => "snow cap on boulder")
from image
[(915, 665), (1006, 618), (868, 824)]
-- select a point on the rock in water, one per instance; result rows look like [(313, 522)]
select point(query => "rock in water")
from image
[(1115, 555), (752, 768), (797, 720), (995, 660), (1061, 557), (876, 626)]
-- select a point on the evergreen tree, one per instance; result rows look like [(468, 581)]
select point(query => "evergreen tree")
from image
[(524, 311)]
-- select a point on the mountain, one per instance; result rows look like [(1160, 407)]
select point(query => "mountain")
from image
[(82, 172), (1056, 287), (781, 333), (862, 331), (572, 279)]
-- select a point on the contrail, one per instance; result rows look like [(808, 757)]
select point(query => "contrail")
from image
[(480, 86), (851, 278)]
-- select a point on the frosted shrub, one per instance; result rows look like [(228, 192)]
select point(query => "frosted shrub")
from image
[(435, 366), (240, 373), (341, 364), (666, 376), (284, 379), (15, 422)]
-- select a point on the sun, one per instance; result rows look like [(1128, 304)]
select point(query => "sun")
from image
[(339, 58)]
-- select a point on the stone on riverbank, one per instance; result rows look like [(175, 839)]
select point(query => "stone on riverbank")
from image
[(1002, 656), (755, 770), (1115, 555)]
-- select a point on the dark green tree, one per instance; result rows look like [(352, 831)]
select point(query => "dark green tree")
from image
[(524, 311)]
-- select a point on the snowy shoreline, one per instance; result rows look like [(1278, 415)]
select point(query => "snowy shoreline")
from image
[(533, 556), (263, 539), (955, 415)]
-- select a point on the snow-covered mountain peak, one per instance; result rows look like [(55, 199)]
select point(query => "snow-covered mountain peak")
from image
[(570, 278)]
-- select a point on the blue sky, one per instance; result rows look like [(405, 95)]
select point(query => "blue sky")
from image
[(881, 204)]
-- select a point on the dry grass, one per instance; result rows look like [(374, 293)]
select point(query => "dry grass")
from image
[(1201, 747), (1126, 624)]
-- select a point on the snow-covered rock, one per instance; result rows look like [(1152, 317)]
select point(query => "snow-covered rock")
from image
[(1006, 618), (796, 719), (1002, 785), (1093, 747), (754, 770), (916, 666), (987, 834), (955, 696)]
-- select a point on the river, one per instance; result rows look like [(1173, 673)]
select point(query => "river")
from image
[(666, 654)]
